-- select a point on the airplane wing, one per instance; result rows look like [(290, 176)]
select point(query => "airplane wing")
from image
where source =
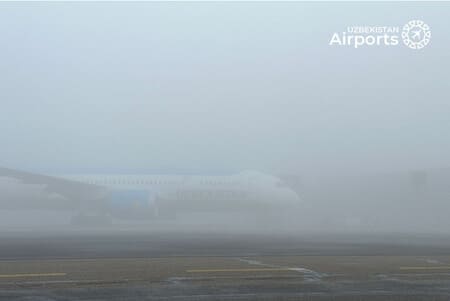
[(29, 190)]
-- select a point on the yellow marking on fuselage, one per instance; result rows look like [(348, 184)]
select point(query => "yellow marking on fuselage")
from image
[(238, 270), (32, 275)]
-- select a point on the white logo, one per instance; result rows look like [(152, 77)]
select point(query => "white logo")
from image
[(416, 34)]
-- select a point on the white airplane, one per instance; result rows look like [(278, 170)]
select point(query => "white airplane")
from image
[(416, 34), (144, 196)]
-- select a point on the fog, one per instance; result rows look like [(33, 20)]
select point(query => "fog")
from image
[(221, 88)]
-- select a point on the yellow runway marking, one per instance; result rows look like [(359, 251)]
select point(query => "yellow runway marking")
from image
[(238, 270), (426, 268), (32, 275)]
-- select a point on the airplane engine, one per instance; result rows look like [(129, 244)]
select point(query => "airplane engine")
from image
[(133, 204)]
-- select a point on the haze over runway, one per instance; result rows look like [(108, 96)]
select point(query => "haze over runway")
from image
[(224, 151)]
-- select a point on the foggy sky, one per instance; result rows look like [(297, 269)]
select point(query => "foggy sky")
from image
[(220, 86)]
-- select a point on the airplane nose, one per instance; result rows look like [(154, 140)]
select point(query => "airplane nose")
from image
[(292, 197)]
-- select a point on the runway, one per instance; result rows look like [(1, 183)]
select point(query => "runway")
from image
[(167, 265)]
